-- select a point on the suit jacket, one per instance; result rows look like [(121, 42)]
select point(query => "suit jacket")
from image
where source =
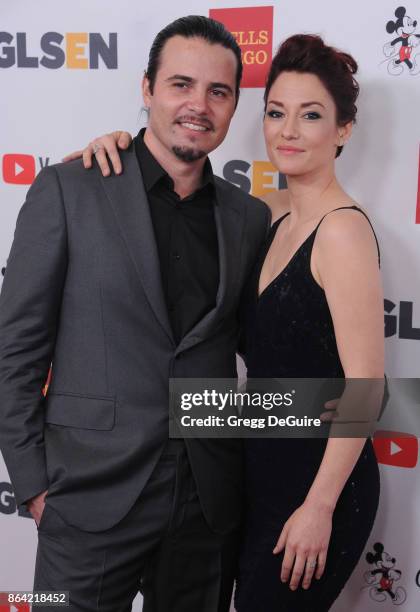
[(83, 290)]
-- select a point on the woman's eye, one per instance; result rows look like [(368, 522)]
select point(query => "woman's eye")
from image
[(274, 114), (312, 115)]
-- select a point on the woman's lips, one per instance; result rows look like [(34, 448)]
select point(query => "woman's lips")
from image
[(289, 150)]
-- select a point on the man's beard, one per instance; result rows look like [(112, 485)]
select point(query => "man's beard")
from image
[(187, 154)]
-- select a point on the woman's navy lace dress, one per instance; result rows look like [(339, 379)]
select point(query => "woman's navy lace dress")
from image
[(289, 334)]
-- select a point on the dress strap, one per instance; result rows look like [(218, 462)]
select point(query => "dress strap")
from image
[(363, 213), (271, 235), (280, 219)]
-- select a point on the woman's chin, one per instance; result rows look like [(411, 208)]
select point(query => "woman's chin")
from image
[(291, 169)]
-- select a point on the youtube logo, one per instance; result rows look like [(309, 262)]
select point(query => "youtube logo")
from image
[(395, 448), (14, 607), (18, 169)]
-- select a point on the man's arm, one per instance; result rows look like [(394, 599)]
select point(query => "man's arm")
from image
[(29, 308)]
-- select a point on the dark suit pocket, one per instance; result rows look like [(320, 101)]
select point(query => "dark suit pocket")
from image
[(85, 412)]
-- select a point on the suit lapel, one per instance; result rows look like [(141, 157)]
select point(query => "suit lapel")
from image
[(229, 217), (129, 203)]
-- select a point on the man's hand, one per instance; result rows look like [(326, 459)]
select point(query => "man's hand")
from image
[(104, 147), (36, 506)]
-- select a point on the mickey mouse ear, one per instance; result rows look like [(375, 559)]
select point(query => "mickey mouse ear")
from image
[(390, 27), (400, 12)]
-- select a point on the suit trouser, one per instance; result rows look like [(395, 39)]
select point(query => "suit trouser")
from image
[(163, 548)]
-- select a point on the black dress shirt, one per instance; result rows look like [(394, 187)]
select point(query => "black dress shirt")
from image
[(186, 238)]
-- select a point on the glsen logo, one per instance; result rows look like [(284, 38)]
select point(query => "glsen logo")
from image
[(19, 168), (82, 50), (395, 448), (252, 28), (401, 322), (257, 178), (8, 501)]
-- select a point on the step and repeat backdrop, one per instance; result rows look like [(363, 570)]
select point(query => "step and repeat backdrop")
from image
[(72, 70)]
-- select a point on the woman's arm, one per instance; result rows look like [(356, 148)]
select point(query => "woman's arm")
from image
[(104, 147), (345, 263)]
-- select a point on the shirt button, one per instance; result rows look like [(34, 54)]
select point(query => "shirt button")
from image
[(176, 256)]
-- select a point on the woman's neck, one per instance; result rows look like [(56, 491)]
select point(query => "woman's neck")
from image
[(311, 196)]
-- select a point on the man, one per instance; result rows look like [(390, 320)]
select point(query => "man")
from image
[(123, 283)]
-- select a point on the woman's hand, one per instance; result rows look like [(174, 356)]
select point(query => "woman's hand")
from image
[(104, 147), (305, 538)]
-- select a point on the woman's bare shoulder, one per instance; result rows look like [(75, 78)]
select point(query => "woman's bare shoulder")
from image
[(278, 202)]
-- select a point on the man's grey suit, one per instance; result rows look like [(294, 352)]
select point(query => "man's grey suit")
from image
[(82, 290)]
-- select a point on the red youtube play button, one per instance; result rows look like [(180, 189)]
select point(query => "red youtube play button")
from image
[(396, 448), (18, 169), (12, 607)]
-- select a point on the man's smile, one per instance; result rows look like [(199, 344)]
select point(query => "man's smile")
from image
[(195, 125)]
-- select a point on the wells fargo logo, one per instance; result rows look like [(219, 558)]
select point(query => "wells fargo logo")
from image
[(252, 28)]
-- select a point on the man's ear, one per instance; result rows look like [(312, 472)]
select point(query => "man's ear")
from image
[(147, 94)]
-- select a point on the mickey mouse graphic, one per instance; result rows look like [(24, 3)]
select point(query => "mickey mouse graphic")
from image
[(380, 580), (405, 27)]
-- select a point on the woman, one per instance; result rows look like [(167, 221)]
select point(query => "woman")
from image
[(313, 308)]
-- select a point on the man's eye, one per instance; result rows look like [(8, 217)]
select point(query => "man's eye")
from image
[(312, 115), (275, 114), (219, 93), (181, 85)]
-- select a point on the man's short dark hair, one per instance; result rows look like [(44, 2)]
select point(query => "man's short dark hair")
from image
[(193, 26)]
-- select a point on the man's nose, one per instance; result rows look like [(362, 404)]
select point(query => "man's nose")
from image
[(198, 101)]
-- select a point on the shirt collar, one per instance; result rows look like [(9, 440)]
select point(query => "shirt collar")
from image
[(153, 172)]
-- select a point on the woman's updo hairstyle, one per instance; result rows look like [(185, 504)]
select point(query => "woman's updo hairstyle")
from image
[(307, 53)]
